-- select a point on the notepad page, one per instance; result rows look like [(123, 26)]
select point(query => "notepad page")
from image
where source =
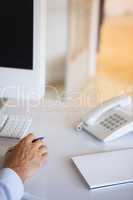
[(105, 169)]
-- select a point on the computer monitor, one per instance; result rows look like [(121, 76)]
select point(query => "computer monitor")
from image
[(22, 48)]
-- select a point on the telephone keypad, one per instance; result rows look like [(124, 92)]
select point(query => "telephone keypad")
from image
[(113, 122)]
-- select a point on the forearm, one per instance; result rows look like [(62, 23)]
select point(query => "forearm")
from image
[(11, 186)]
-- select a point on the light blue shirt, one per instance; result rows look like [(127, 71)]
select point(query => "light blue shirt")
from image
[(11, 186)]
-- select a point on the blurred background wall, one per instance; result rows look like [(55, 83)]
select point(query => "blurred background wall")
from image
[(56, 39), (114, 36), (118, 7), (115, 58)]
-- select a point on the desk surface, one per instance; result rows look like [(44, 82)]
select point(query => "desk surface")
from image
[(59, 179)]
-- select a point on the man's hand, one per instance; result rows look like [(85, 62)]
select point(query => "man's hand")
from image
[(26, 157)]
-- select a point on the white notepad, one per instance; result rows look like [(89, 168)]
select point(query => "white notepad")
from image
[(106, 169)]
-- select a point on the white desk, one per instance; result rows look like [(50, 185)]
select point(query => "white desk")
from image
[(59, 179)]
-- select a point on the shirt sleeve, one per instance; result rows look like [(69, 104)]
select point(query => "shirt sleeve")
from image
[(11, 186)]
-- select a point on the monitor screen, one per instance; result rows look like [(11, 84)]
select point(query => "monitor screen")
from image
[(16, 34)]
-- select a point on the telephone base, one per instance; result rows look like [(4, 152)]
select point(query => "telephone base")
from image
[(110, 120)]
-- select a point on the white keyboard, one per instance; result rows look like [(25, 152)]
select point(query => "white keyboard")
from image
[(14, 126)]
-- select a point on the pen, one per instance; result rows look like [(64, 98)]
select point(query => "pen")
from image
[(40, 138)]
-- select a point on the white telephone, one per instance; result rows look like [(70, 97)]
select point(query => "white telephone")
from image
[(110, 120)]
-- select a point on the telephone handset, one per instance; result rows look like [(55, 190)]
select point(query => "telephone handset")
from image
[(109, 120)]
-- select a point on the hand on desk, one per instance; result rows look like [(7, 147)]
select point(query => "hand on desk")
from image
[(26, 157)]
